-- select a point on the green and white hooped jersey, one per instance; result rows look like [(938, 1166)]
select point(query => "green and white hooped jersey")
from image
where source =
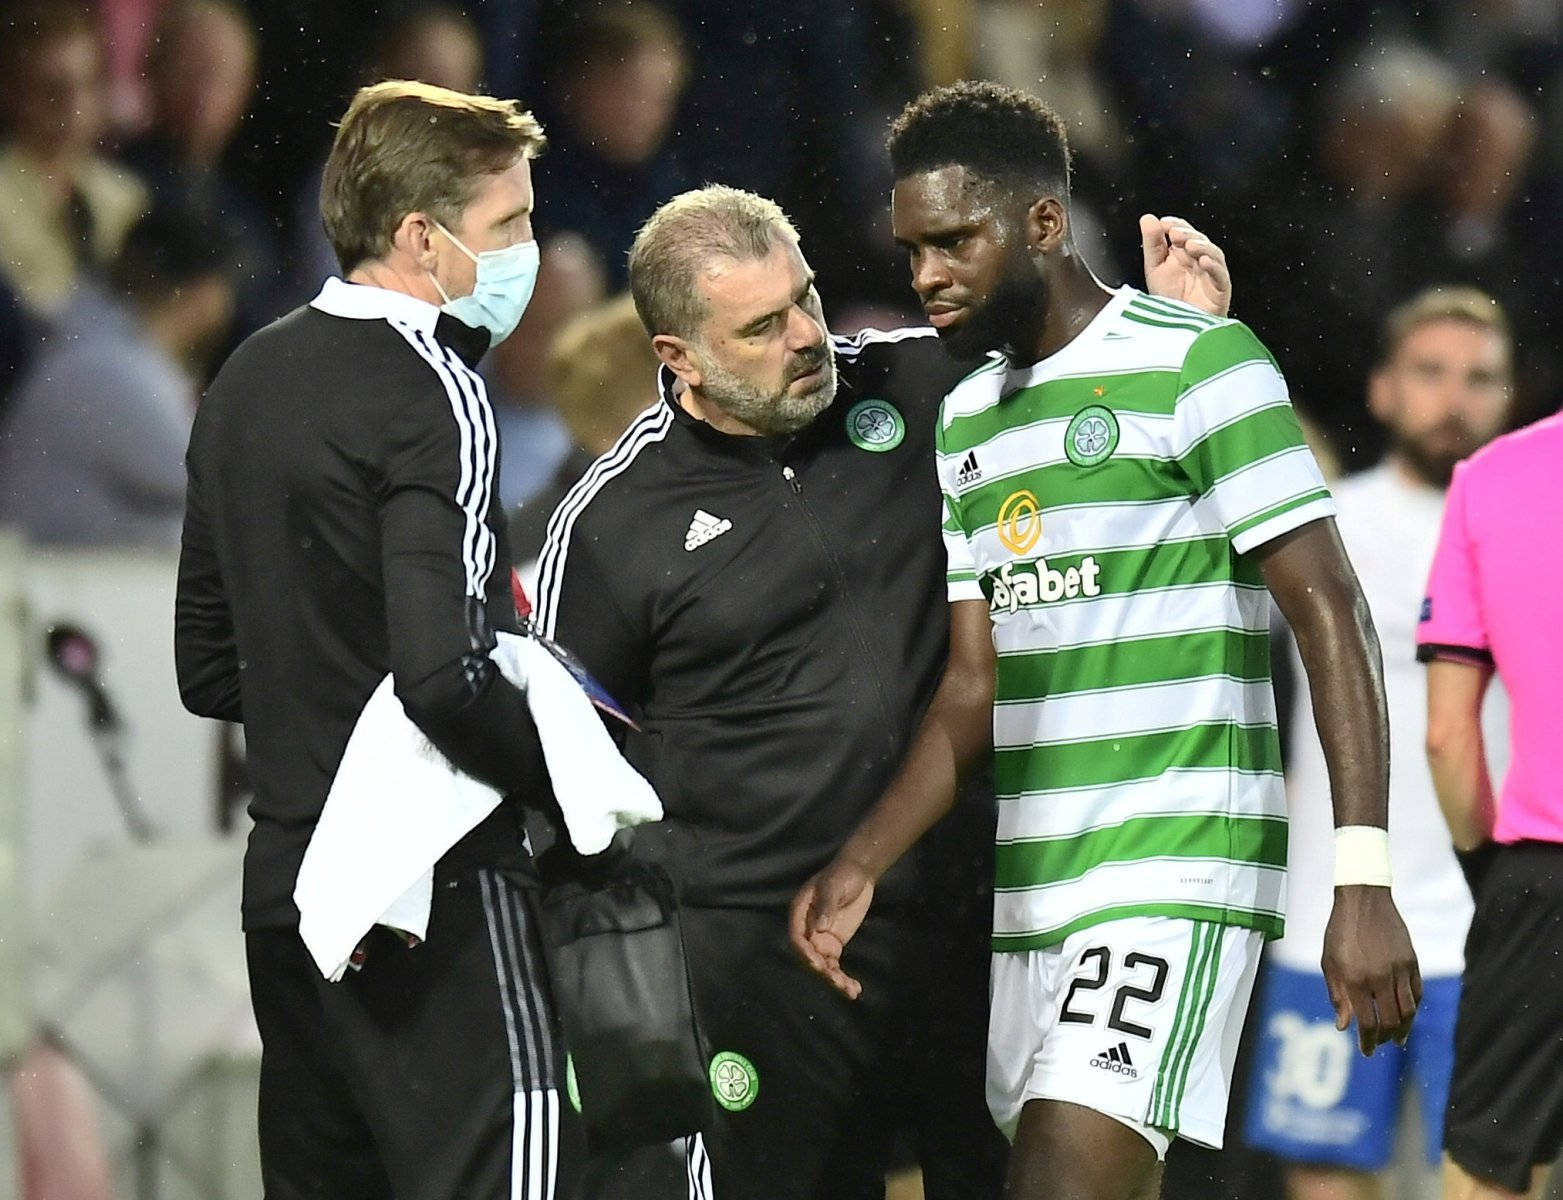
[(1103, 501)]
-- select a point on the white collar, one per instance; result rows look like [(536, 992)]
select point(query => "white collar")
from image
[(365, 302)]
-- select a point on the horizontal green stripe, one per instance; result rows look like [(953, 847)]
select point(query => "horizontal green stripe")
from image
[(1167, 658), (1279, 510), (1118, 479), (1160, 305), (1141, 317), (1151, 393), (1272, 925), (1246, 571), (1036, 862), (1219, 349), (1240, 444), (1105, 761)]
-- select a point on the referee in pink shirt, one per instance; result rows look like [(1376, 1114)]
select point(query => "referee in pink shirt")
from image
[(1495, 603)]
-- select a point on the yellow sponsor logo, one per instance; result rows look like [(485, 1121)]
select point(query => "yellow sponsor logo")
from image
[(1020, 522)]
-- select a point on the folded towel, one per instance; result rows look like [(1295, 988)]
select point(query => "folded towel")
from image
[(397, 805)]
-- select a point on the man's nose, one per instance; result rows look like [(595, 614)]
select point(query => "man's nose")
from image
[(930, 275), (803, 331)]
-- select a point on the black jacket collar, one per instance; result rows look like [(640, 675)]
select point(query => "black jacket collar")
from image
[(365, 302)]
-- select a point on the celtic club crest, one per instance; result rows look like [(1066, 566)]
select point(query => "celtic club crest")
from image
[(875, 425), (734, 1081), (1092, 436)]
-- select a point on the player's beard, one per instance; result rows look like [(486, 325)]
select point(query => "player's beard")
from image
[(1435, 464), (1009, 319), (771, 414)]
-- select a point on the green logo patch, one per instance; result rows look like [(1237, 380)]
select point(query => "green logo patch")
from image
[(875, 425), (1092, 436), (734, 1081)]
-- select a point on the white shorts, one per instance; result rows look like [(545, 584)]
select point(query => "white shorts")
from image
[(1138, 1019)]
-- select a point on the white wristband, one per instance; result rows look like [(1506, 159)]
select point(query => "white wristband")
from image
[(1361, 856)]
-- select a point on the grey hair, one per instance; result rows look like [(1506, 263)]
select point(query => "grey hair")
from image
[(681, 238)]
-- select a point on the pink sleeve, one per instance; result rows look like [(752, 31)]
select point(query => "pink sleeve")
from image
[(1451, 624)]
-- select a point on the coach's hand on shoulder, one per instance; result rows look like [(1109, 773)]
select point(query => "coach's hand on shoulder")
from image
[(1370, 966), (1181, 263), (825, 914)]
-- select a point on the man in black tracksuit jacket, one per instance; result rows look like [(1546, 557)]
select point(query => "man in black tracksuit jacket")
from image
[(756, 569), (343, 523), (774, 612)]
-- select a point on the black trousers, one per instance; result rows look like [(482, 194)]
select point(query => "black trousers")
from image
[(430, 1074), (811, 1088), (1505, 1112)]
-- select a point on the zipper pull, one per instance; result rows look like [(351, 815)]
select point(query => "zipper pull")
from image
[(791, 477)]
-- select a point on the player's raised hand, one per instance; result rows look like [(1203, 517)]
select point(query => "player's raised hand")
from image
[(826, 912), (1181, 263), (1370, 966)]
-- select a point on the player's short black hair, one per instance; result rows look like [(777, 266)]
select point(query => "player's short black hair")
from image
[(1001, 133)]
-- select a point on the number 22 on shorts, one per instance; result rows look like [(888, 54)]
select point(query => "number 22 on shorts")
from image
[(1146, 981)]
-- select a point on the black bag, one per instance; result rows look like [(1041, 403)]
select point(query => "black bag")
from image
[(616, 963)]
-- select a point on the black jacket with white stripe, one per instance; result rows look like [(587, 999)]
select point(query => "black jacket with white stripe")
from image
[(772, 611), (341, 523)]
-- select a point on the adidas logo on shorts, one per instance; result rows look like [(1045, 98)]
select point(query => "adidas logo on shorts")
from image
[(1116, 1059)]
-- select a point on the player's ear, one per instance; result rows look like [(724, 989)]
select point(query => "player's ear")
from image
[(1047, 225), (680, 357)]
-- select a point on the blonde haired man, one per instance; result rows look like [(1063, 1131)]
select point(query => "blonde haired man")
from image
[(342, 524)]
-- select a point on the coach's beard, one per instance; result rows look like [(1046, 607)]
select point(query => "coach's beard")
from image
[(772, 414)]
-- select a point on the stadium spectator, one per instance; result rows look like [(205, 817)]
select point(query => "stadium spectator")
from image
[(92, 443), (533, 438), (755, 571), (430, 42), (1492, 608), (341, 525), (65, 208), (594, 363), (201, 70), (1119, 490), (1442, 389), (611, 156), (1414, 174), (773, 108)]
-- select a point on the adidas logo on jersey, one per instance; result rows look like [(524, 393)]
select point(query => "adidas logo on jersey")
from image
[(703, 528), (969, 472), (1116, 1059)]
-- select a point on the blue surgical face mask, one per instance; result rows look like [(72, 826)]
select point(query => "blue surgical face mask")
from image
[(502, 291)]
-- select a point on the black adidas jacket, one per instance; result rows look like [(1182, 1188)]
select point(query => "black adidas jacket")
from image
[(342, 523), (772, 611)]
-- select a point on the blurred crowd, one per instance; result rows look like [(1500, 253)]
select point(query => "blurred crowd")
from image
[(160, 166)]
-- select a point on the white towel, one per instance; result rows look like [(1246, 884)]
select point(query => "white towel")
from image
[(397, 805)]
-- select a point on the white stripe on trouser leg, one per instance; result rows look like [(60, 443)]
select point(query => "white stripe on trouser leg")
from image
[(502, 976), (534, 1144), (698, 1164)]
